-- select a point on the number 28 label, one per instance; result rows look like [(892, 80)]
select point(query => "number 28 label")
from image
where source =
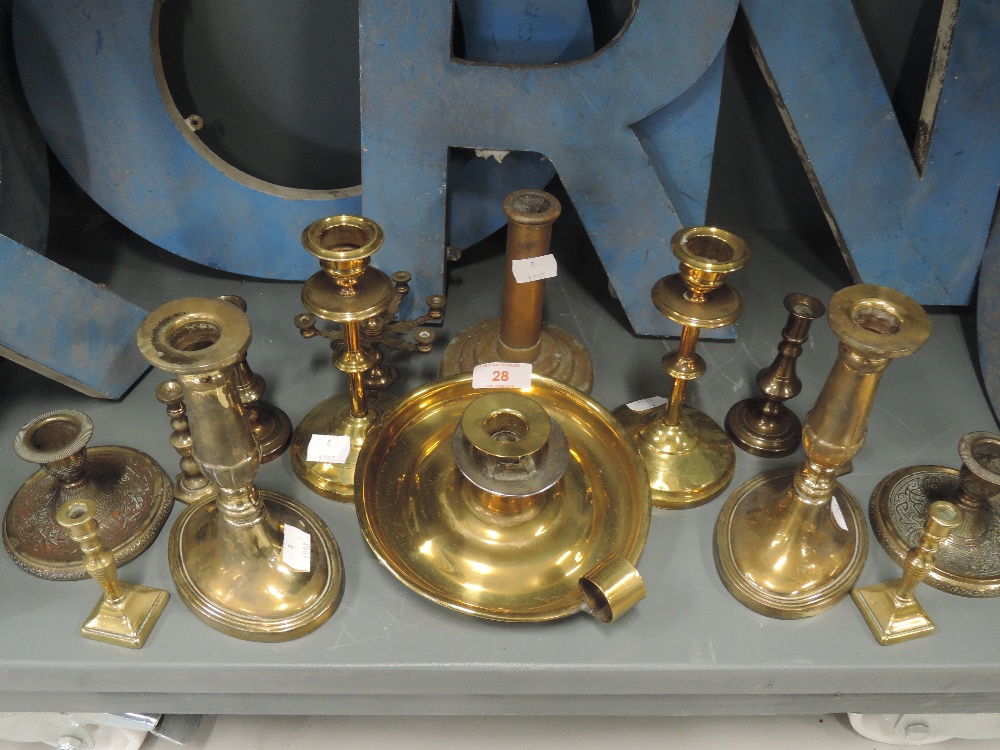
[(502, 375)]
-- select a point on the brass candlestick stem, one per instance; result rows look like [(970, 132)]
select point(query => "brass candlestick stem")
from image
[(689, 458), (765, 426), (127, 612), (969, 563), (229, 558), (519, 335), (890, 609), (364, 302), (791, 543), (190, 485)]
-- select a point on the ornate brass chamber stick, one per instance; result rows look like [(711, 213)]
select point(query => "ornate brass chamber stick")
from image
[(126, 612), (890, 609), (519, 335), (968, 564), (689, 458), (190, 485), (519, 506), (252, 564), (364, 301), (131, 494), (765, 426), (791, 543)]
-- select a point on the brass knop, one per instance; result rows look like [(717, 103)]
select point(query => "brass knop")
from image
[(190, 485)]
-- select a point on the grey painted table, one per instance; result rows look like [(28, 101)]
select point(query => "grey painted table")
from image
[(688, 648)]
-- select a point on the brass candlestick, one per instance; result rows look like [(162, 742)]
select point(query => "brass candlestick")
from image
[(132, 494), (890, 609), (230, 559), (127, 612), (190, 485), (765, 426), (969, 563), (364, 301), (519, 335), (689, 458), (791, 543)]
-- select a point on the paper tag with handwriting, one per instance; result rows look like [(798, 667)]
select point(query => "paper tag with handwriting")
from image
[(533, 269), (296, 549), (838, 514), (502, 375), (328, 449), (645, 404)]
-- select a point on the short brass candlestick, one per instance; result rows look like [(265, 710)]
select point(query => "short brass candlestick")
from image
[(365, 302), (227, 557), (519, 335), (969, 563), (765, 426), (689, 457), (190, 485), (791, 543), (127, 612), (890, 609)]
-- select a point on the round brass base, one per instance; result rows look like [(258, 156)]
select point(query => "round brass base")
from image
[(968, 562), (333, 417), (189, 497), (562, 357), (273, 430), (688, 464), (784, 558), (761, 434), (234, 580), (133, 496)]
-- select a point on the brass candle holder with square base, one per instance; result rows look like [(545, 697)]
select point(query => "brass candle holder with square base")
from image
[(790, 543), (126, 612), (890, 609), (364, 302), (689, 457)]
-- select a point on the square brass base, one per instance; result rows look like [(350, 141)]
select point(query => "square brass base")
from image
[(891, 621), (130, 622)]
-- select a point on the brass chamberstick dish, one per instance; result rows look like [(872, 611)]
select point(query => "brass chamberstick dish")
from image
[(511, 556)]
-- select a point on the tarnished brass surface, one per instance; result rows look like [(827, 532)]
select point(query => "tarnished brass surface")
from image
[(190, 485), (688, 457), (464, 533), (968, 563), (126, 612), (779, 547), (765, 426), (519, 335), (890, 609), (131, 493), (226, 555)]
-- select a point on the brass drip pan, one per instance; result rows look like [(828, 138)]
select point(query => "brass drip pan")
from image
[(513, 556)]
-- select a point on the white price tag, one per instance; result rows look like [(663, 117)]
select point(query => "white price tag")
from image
[(533, 269), (328, 449), (645, 404), (838, 514), (502, 375), (296, 549)]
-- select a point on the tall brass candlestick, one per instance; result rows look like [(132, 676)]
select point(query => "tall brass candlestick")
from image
[(791, 543), (190, 485), (232, 559)]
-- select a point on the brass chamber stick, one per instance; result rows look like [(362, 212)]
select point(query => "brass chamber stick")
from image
[(791, 543), (364, 302), (765, 426), (890, 609), (519, 335), (132, 496), (127, 612), (229, 558), (689, 457), (190, 485), (968, 564)]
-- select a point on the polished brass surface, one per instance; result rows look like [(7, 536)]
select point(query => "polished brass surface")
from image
[(968, 563), (689, 458), (890, 609), (365, 303), (127, 612), (765, 426), (226, 555), (519, 335), (190, 485), (791, 543), (132, 495), (490, 534)]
